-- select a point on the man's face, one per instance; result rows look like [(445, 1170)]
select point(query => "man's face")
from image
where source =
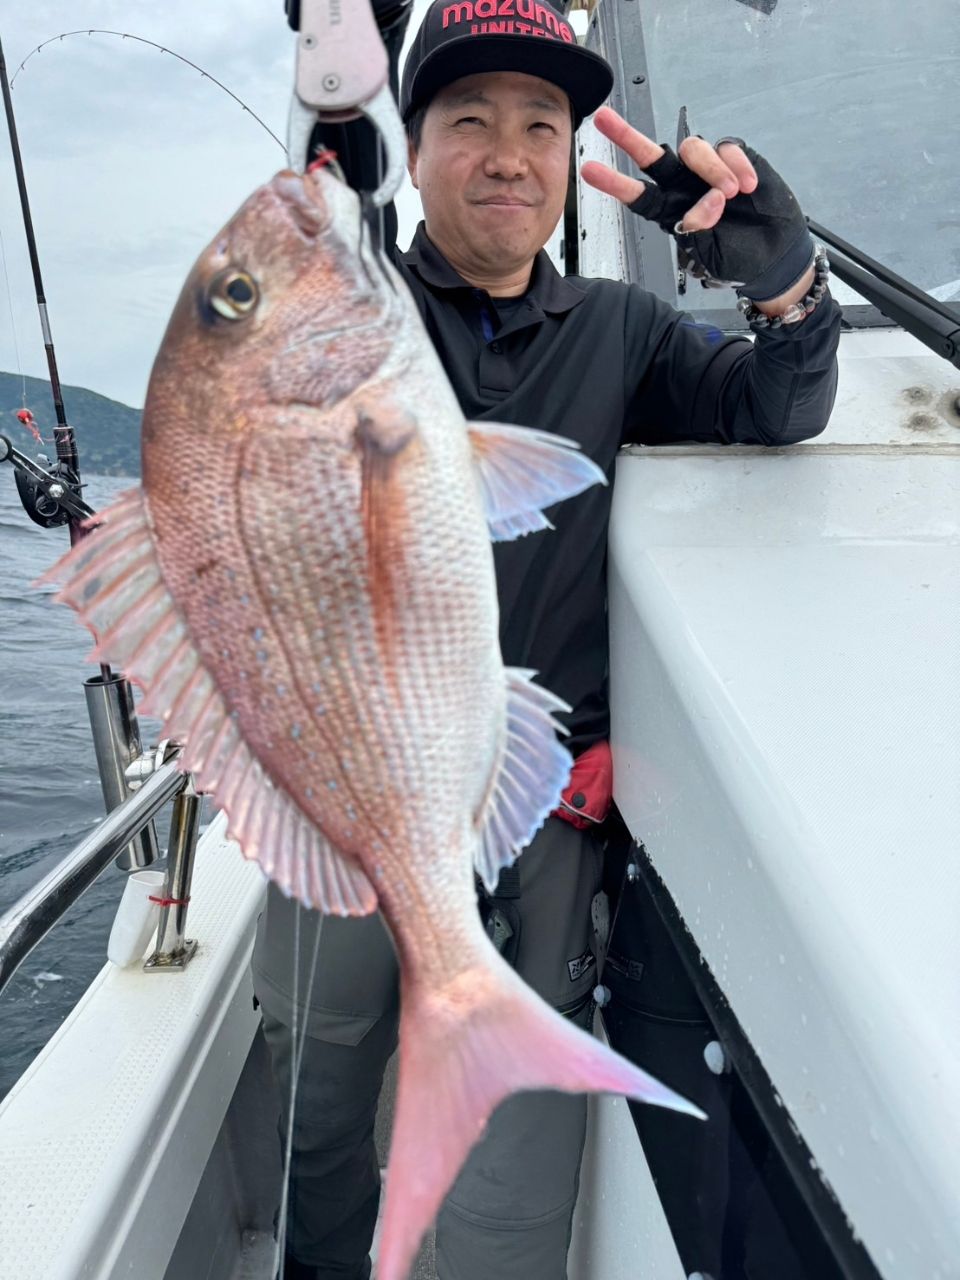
[(492, 168)]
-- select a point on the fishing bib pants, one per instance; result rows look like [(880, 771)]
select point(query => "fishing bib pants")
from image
[(510, 1211)]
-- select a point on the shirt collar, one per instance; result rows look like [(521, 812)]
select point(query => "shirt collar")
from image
[(548, 288)]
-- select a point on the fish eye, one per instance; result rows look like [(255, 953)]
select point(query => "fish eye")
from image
[(233, 293)]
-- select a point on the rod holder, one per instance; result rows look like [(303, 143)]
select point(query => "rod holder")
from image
[(174, 949), (116, 741)]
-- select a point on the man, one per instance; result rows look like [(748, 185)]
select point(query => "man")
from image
[(490, 110)]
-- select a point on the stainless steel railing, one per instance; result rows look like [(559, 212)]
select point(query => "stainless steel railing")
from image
[(31, 918)]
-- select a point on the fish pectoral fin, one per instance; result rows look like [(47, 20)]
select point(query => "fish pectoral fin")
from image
[(522, 471), (533, 770), (113, 580)]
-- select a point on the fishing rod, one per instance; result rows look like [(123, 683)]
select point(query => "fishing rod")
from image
[(152, 44), (41, 494), (51, 496)]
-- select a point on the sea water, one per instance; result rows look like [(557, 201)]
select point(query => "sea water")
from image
[(50, 795)]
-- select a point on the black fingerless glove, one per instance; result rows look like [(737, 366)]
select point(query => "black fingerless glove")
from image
[(761, 245)]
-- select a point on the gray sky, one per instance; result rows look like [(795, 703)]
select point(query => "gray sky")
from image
[(133, 162)]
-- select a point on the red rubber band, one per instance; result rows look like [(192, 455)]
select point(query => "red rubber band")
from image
[(169, 902)]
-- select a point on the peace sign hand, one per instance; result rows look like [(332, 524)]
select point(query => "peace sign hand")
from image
[(732, 214)]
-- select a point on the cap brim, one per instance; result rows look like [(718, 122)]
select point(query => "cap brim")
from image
[(584, 76)]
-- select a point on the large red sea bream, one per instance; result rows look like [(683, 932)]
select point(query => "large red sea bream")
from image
[(304, 587)]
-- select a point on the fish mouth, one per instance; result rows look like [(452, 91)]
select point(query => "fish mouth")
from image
[(303, 197), (316, 202)]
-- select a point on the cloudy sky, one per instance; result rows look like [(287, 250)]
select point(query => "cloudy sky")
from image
[(133, 161)]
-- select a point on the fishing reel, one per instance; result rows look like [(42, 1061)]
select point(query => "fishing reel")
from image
[(50, 493), (40, 498)]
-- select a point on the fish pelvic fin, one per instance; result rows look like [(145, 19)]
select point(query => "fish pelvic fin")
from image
[(533, 769), (112, 578), (522, 471), (463, 1049)]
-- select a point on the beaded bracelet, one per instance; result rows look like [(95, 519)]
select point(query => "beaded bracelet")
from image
[(796, 311)]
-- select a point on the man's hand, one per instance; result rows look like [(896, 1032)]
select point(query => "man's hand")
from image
[(727, 171), (733, 216)]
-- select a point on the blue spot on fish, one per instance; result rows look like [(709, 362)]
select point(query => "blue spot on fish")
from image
[(281, 690), (261, 655), (295, 732), (258, 633), (332, 786)]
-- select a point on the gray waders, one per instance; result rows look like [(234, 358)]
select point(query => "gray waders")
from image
[(509, 1214)]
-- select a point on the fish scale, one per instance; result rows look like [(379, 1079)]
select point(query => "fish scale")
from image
[(318, 625)]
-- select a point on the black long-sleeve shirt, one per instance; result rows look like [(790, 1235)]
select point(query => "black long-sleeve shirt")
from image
[(606, 364)]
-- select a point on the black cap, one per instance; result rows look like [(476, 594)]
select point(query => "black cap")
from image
[(463, 37)]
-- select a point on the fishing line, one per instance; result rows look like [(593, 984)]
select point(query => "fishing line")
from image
[(296, 1060), (382, 211), (13, 323), (126, 35)]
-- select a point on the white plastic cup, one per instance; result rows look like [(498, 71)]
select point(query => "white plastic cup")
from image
[(136, 919)]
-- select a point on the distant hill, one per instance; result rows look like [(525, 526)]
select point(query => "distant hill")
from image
[(108, 432)]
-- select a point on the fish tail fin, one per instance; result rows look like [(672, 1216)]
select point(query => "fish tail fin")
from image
[(463, 1049)]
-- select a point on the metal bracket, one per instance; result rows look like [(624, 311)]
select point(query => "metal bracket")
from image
[(341, 60), (342, 72)]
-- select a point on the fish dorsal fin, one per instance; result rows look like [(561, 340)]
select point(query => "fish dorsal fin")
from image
[(113, 580), (534, 769), (522, 471)]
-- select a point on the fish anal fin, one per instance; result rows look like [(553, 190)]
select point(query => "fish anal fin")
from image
[(522, 471), (298, 858)]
